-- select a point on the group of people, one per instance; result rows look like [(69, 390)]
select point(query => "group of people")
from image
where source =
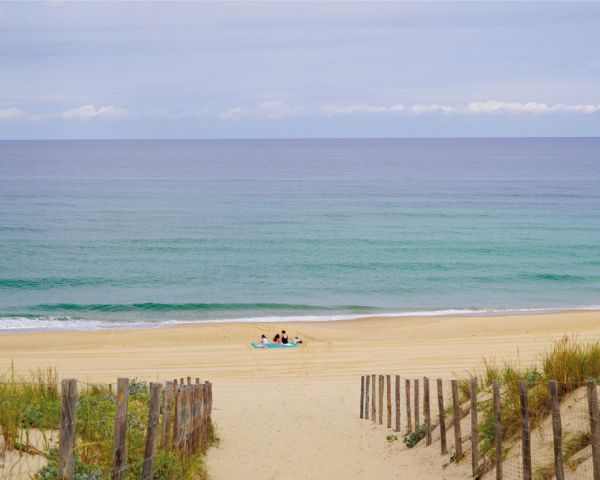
[(279, 339)]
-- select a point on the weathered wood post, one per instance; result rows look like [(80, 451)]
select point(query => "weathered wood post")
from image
[(380, 399), (427, 411), (389, 400), (498, 430), (367, 395), (176, 415), (197, 381), (559, 469), (362, 396), (373, 400), (110, 389), (456, 414), (189, 380), (209, 408), (442, 416), (181, 382), (167, 414), (409, 428), (397, 399), (417, 419), (68, 414), (526, 430), (594, 426), (120, 437), (152, 431), (474, 431)]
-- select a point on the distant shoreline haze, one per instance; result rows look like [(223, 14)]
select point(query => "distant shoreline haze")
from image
[(99, 233)]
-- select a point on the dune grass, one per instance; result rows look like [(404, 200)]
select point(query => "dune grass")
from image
[(32, 402), (569, 362)]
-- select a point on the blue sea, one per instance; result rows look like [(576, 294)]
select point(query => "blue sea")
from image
[(98, 234)]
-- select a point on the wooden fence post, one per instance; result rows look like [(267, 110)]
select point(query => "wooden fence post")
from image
[(167, 414), (397, 399), (209, 408), (456, 421), (408, 414), (205, 413), (594, 426), (367, 395), (474, 431), (417, 419), (427, 411), (373, 400), (176, 415), (197, 381), (362, 396), (189, 380), (68, 414), (442, 416), (498, 430), (120, 437), (559, 469), (152, 431), (389, 400), (380, 399), (526, 430)]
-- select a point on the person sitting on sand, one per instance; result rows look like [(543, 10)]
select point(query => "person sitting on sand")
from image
[(277, 339), (297, 340), (284, 337), (264, 340)]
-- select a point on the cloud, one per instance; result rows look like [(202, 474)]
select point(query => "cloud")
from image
[(276, 109), (234, 113), (330, 110), (421, 108), (10, 113), (265, 110), (495, 107), (86, 112)]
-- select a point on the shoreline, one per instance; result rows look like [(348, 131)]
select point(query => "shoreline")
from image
[(107, 325), (345, 347)]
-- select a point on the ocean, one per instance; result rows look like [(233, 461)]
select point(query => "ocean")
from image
[(99, 234)]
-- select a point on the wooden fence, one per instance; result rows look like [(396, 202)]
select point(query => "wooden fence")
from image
[(185, 426), (407, 414)]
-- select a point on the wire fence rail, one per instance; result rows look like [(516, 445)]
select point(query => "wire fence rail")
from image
[(523, 429), (179, 421)]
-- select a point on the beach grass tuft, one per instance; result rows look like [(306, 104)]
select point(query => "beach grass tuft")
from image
[(32, 402)]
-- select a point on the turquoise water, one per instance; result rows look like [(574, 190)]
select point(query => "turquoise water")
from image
[(109, 233)]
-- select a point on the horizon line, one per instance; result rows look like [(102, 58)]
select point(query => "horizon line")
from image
[(288, 138)]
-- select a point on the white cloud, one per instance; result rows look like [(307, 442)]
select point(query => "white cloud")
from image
[(494, 106), (276, 109), (234, 113), (10, 113), (169, 114), (86, 112), (421, 108), (265, 110), (330, 110)]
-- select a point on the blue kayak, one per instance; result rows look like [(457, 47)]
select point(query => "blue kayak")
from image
[(274, 345)]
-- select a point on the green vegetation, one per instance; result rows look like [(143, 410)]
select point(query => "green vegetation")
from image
[(415, 437), (569, 362), (33, 403)]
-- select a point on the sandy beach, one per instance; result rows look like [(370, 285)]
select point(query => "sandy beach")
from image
[(292, 414)]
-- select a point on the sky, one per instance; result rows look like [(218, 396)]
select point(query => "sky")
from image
[(298, 70)]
